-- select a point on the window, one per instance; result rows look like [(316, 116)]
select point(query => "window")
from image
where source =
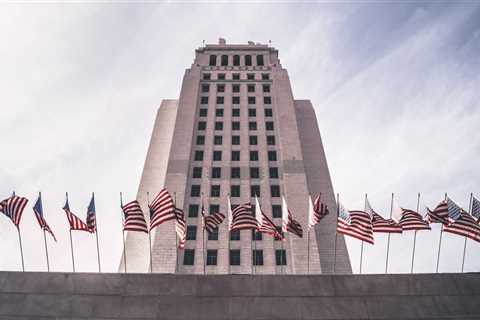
[(195, 191), (206, 76), (197, 172), (221, 76), (214, 208), (215, 190), (235, 88), (257, 256), (235, 155), (253, 155), (276, 211), (248, 60), (250, 76), (218, 125), (252, 112), (275, 191), (203, 112), (236, 76), (202, 125), (205, 87), (254, 173), (266, 88), (267, 100), (235, 172), (272, 156), (236, 60), (251, 88), (271, 140), (235, 257), (269, 125), (235, 191), (217, 155), (216, 172), (253, 140), (219, 112), (191, 232), (273, 171), (235, 112), (220, 88), (280, 232), (235, 140), (256, 236), (254, 191), (189, 257), (265, 76), (235, 235), (235, 100), (213, 60), (268, 112), (193, 210), (235, 125), (212, 257), (252, 125), (281, 257), (200, 140), (220, 100), (217, 140), (204, 100), (251, 100), (213, 235), (224, 60), (198, 155), (260, 60)]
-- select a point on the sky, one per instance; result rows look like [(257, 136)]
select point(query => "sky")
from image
[(395, 87)]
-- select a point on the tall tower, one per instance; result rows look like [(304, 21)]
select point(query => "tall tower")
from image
[(237, 130)]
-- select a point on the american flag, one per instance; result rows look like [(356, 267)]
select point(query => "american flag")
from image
[(288, 223), (38, 210), (264, 224), (476, 208), (161, 209), (380, 224), (411, 220), (242, 218), (465, 225), (134, 218), (212, 221), (316, 211), (91, 216), (454, 211), (13, 208), (356, 224), (75, 222), (439, 214), (180, 227)]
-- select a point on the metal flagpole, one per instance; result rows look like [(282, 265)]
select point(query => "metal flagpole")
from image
[(202, 225), (96, 236), (176, 238), (335, 243), (21, 247), (415, 235), (229, 212), (150, 235), (281, 256), (440, 242), (71, 243), (361, 248), (388, 241), (45, 238), (123, 236), (465, 242), (308, 250)]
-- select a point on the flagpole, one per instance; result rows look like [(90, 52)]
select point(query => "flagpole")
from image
[(71, 242), (202, 225), (229, 212), (308, 250), (281, 256), (336, 236), (465, 242), (176, 243), (388, 239), (440, 242), (123, 236), (45, 239), (150, 235), (415, 235), (361, 248), (96, 236), (21, 247)]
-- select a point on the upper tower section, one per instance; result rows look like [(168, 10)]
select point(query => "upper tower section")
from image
[(233, 57)]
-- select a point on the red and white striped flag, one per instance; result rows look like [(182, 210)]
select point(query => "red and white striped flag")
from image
[(242, 218), (38, 210), (13, 208), (264, 224), (356, 224), (439, 214), (380, 224), (180, 227), (134, 218), (288, 223), (212, 221), (316, 211), (411, 220), (465, 225), (161, 209), (75, 222)]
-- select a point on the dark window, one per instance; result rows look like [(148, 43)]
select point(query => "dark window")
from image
[(203, 112), (265, 76), (221, 76), (251, 88), (215, 190), (217, 140), (218, 125), (272, 156), (235, 155), (250, 76), (235, 235), (251, 100), (224, 60), (212, 257), (255, 191), (235, 88), (235, 172), (254, 173), (271, 140), (260, 60), (273, 172), (253, 155), (195, 191), (267, 100), (214, 208), (252, 112), (248, 60), (204, 100), (279, 230), (220, 100), (281, 257), (213, 235), (219, 112), (236, 76), (252, 125), (213, 60), (266, 88), (235, 125), (235, 140), (193, 210), (268, 113), (236, 60), (216, 172), (191, 232), (197, 172), (217, 155), (269, 125), (257, 236), (235, 100), (202, 125), (220, 88), (275, 191), (276, 211), (235, 257), (198, 155), (189, 257), (257, 257), (205, 87), (206, 76), (200, 140), (253, 140), (235, 191)]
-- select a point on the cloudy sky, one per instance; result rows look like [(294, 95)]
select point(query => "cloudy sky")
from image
[(395, 87)]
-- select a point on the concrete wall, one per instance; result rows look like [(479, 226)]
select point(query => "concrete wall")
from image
[(161, 296)]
